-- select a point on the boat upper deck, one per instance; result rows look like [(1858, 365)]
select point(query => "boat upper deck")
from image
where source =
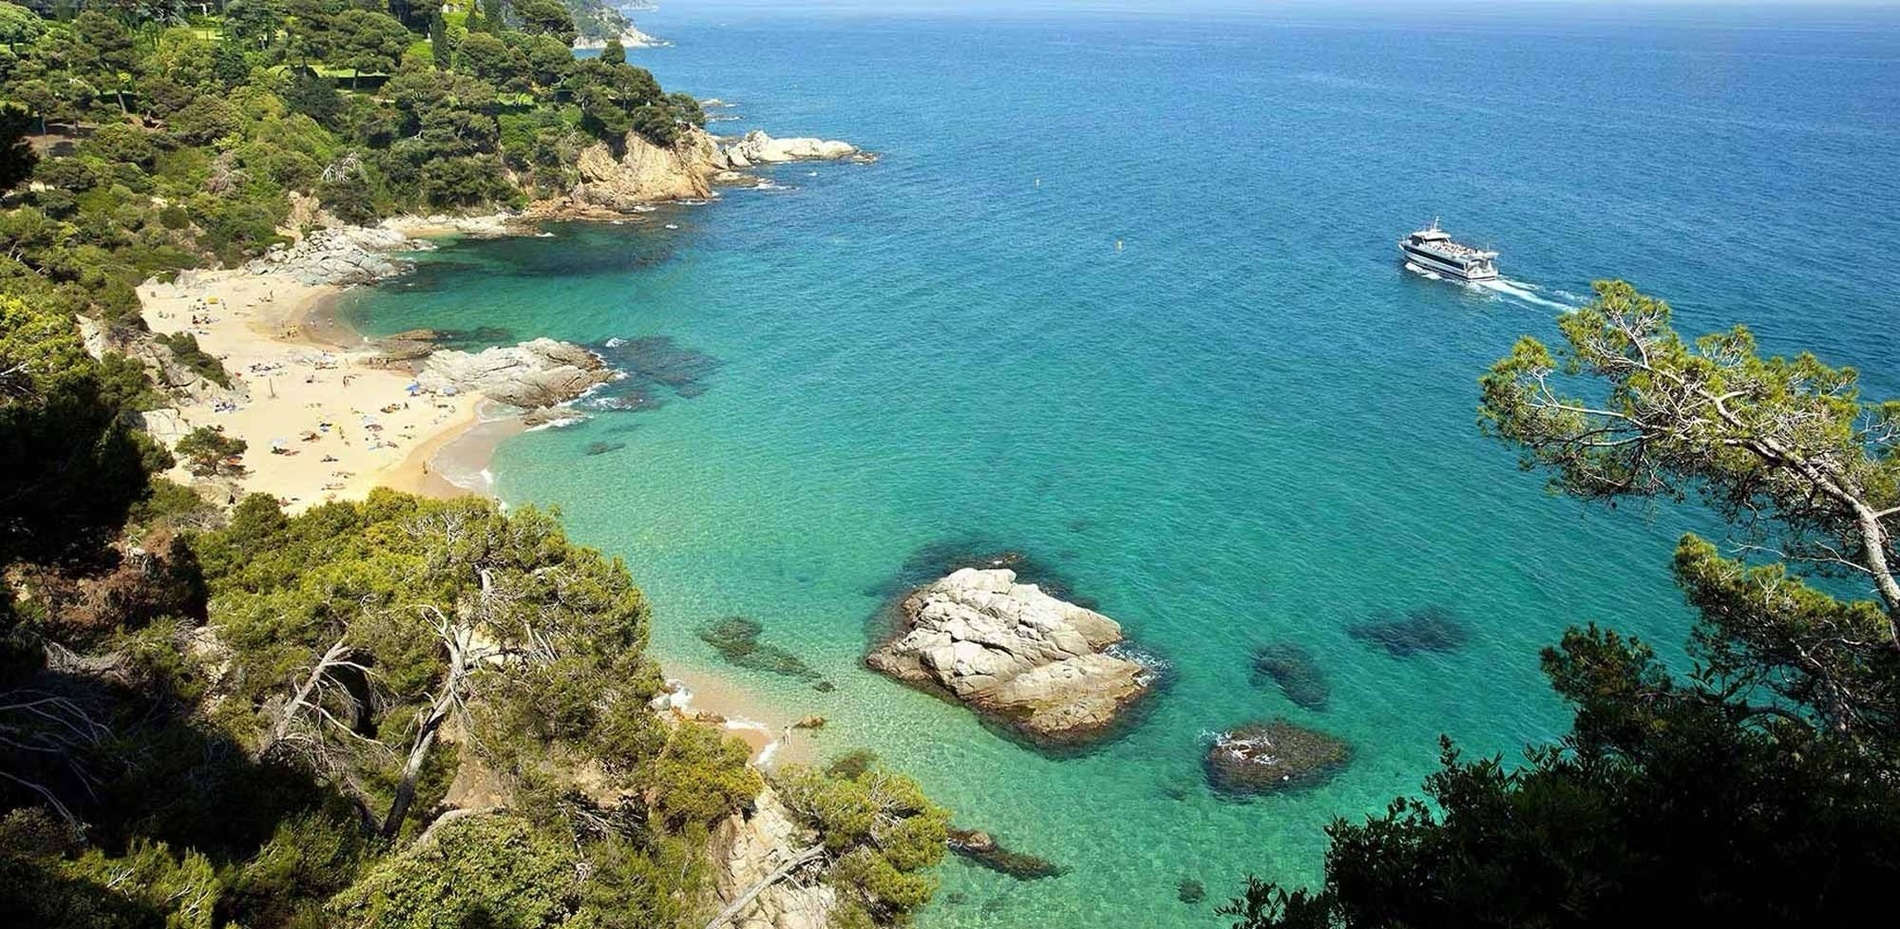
[(1443, 245)]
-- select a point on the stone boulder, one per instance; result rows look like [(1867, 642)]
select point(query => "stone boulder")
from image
[(1274, 755), (1015, 653), (531, 375), (757, 148), (647, 173)]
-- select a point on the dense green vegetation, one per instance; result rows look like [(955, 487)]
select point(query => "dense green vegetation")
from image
[(389, 713), (1760, 787), (169, 138)]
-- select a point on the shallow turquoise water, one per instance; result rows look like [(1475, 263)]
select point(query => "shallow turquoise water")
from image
[(1246, 424)]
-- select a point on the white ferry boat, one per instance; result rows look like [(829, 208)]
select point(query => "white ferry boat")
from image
[(1433, 250)]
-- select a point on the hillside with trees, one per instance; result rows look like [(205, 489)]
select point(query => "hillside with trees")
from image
[(397, 712), (141, 140)]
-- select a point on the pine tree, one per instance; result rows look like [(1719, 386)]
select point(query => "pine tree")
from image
[(439, 42)]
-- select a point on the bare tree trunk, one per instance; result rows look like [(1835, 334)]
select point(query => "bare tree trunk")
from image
[(332, 658), (445, 701), (745, 899)]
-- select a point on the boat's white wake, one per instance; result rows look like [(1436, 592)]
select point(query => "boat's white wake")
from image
[(1521, 291), (1426, 273)]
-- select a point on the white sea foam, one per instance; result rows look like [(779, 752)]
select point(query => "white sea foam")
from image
[(1153, 666), (1522, 291), (1428, 274), (558, 422)]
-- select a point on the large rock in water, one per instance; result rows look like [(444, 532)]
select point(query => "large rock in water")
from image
[(531, 375), (1274, 755), (757, 148), (1014, 652), (648, 173)]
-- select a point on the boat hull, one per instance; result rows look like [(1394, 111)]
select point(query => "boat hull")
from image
[(1430, 262)]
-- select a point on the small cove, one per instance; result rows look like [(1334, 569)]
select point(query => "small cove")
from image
[(1247, 425)]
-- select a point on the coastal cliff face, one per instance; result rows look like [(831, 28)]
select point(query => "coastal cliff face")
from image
[(686, 170), (647, 173), (1013, 652), (745, 849)]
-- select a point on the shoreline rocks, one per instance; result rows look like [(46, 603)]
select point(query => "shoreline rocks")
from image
[(1272, 756), (532, 375), (645, 173), (757, 148), (1014, 653), (340, 255)]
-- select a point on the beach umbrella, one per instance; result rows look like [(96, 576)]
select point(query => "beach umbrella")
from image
[(280, 443)]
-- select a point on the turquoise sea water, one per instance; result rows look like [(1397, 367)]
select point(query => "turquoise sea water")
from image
[(1247, 423)]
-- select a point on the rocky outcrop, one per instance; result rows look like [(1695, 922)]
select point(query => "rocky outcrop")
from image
[(531, 375), (648, 173), (747, 849), (341, 255), (688, 169), (757, 148), (1013, 652), (1274, 755)]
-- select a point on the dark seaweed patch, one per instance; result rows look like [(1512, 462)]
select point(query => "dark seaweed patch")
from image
[(1430, 629), (1292, 667), (736, 639), (980, 848), (652, 367)]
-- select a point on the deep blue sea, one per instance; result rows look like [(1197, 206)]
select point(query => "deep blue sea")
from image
[(1122, 294)]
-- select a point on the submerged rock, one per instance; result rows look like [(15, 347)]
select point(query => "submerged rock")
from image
[(602, 448), (1271, 756), (736, 639), (1190, 891), (979, 847), (1015, 653), (649, 364), (532, 375), (1431, 629), (1294, 669)]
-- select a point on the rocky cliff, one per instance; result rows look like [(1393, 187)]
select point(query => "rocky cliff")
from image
[(746, 849), (686, 170), (1015, 653), (648, 173)]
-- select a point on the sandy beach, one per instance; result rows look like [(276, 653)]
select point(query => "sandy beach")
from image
[(322, 421)]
